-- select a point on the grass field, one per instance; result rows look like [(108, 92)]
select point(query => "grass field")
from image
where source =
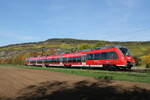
[(99, 74)]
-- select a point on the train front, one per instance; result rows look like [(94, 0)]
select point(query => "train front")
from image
[(127, 56)]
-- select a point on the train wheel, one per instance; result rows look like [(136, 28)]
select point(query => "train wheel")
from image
[(129, 66), (46, 65), (67, 66), (105, 67)]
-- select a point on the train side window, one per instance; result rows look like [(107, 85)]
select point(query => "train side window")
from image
[(97, 56), (104, 55), (64, 60), (112, 55), (41, 60), (48, 60), (78, 59), (58, 59), (44, 60), (30, 61), (69, 59), (109, 55), (90, 56), (74, 59), (52, 60), (38, 60), (55, 60)]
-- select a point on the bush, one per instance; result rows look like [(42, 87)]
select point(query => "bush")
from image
[(138, 61), (148, 65)]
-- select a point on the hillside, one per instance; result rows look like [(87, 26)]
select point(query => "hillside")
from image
[(16, 53)]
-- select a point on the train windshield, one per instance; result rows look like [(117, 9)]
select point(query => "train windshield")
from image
[(125, 51)]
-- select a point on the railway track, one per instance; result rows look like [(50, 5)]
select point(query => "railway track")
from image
[(141, 70), (145, 70)]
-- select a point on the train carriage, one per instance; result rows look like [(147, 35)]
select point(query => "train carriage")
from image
[(108, 57)]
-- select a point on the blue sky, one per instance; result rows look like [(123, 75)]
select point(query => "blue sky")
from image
[(36, 20)]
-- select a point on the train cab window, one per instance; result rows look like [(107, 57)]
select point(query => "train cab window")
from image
[(125, 51)]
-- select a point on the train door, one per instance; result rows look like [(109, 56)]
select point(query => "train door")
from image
[(61, 61), (83, 60)]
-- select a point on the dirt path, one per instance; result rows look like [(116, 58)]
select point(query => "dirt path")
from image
[(22, 83)]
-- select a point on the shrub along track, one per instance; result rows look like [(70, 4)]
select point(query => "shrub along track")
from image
[(29, 84)]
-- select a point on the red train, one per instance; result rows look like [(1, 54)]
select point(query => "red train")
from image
[(106, 57)]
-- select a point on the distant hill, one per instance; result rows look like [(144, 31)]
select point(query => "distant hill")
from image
[(12, 53)]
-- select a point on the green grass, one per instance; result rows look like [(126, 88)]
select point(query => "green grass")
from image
[(100, 74)]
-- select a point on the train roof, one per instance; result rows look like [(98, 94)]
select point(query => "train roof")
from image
[(112, 46), (39, 57), (77, 54), (81, 53)]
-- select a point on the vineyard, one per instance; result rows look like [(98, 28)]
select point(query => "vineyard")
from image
[(16, 54)]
